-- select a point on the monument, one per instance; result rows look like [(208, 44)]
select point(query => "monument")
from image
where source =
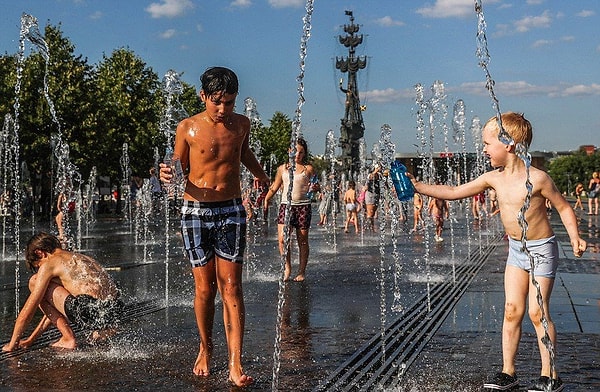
[(352, 127)]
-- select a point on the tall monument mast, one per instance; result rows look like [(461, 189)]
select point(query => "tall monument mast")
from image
[(352, 128)]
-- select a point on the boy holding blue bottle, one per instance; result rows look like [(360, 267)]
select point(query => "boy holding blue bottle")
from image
[(508, 180)]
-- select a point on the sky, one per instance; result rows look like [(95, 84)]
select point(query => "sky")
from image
[(544, 57)]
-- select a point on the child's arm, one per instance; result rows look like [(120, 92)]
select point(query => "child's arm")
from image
[(448, 192), (29, 308), (567, 215), (275, 185), (42, 326)]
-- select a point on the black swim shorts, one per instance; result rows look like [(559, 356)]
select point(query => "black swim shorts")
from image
[(91, 313)]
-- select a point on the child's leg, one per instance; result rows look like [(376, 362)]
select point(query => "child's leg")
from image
[(282, 251), (205, 290), (303, 252), (53, 306), (229, 275), (535, 314), (516, 285)]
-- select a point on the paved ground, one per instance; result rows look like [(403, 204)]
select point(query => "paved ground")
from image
[(467, 346), (323, 321)]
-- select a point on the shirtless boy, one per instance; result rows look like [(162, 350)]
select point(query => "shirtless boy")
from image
[(438, 209), (508, 180), (67, 287), (211, 145)]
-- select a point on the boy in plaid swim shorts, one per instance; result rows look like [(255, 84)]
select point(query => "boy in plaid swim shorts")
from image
[(212, 145), (211, 228)]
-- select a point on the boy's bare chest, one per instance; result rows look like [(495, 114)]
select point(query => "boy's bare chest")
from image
[(216, 142)]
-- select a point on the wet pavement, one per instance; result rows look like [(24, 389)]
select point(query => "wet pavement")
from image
[(358, 288)]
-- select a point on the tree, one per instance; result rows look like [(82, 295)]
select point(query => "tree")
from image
[(60, 82), (8, 66), (128, 111), (275, 139), (568, 170)]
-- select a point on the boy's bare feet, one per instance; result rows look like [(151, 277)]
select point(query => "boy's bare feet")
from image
[(100, 336), (299, 278), (202, 365), (69, 344), (240, 379), (286, 274)]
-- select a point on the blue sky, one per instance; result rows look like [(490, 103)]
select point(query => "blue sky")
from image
[(545, 56)]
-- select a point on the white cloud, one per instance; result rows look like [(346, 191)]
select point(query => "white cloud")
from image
[(241, 3), (169, 8), (387, 95), (167, 34), (387, 21), (530, 22), (534, 2), (525, 89), (541, 42), (448, 9), (586, 13), (567, 38), (581, 90), (286, 3), (96, 15)]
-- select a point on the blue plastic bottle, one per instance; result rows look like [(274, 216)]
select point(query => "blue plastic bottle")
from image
[(404, 188), (313, 180)]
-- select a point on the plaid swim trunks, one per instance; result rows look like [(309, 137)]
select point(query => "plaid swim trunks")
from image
[(213, 228), (300, 215)]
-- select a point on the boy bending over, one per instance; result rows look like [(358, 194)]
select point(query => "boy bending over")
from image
[(67, 287)]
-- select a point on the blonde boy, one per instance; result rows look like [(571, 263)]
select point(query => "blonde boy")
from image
[(508, 180)]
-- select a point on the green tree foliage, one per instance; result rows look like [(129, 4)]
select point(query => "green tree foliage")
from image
[(128, 110), (8, 65), (68, 86), (567, 171), (275, 139), (98, 107)]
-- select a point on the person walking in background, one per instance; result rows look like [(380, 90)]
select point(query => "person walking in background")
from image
[(325, 204), (351, 207), (372, 196), (300, 208), (212, 145), (439, 210), (417, 212), (479, 206), (578, 192), (593, 190), (508, 180)]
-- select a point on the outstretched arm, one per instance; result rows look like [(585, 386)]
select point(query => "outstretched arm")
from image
[(448, 192)]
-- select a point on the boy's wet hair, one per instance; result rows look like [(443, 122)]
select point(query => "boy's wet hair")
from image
[(517, 126), (41, 241), (218, 80)]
